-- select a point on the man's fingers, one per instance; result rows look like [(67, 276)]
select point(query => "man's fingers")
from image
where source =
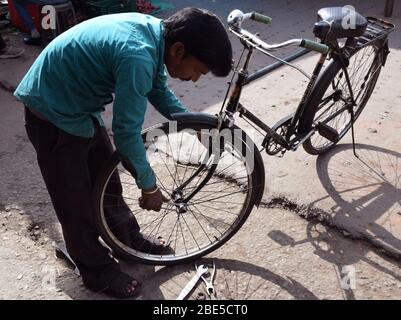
[(153, 201)]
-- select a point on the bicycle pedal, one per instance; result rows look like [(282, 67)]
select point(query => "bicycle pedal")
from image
[(328, 132)]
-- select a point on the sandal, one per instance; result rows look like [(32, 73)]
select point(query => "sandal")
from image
[(151, 245), (118, 285)]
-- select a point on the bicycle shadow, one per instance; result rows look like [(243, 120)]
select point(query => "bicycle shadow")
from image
[(332, 247), (365, 193), (234, 280)]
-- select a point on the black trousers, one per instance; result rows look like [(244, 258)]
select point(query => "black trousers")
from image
[(2, 43), (69, 165)]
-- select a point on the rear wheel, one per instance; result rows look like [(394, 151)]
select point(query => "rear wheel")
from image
[(331, 103), (211, 193)]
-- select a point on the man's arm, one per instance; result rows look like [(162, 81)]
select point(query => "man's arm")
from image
[(162, 98), (133, 82)]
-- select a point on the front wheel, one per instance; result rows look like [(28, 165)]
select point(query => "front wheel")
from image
[(211, 184), (331, 103)]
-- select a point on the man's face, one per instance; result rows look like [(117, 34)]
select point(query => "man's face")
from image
[(183, 67)]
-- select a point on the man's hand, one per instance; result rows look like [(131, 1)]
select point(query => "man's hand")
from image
[(152, 199)]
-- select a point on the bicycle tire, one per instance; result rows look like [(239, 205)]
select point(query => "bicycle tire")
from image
[(121, 248), (319, 95)]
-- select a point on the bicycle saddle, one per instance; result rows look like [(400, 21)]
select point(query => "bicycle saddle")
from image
[(339, 22)]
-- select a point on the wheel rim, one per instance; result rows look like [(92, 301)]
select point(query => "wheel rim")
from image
[(364, 68), (207, 219)]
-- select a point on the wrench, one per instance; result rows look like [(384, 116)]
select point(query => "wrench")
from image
[(200, 271), (209, 282)]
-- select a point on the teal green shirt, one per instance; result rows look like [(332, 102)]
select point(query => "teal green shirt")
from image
[(77, 73)]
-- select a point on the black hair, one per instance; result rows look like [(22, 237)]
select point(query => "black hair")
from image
[(204, 37)]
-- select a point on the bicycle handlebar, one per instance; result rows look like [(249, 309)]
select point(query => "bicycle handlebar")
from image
[(313, 45), (236, 17), (260, 18)]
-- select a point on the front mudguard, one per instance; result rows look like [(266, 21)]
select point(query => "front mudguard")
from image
[(212, 120)]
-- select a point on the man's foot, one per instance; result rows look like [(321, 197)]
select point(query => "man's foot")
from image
[(11, 53), (150, 244), (116, 284), (123, 287), (30, 41)]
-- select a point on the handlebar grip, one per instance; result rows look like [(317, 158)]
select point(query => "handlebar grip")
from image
[(313, 45), (261, 18)]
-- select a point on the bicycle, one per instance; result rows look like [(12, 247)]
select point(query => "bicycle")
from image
[(209, 168)]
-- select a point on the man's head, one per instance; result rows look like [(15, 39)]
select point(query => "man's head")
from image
[(196, 43)]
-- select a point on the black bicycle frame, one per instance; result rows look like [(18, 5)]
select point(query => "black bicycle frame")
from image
[(234, 106), (244, 79)]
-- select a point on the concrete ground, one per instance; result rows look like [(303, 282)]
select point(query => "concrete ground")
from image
[(329, 227)]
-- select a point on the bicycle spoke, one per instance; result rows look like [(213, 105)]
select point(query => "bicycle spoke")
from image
[(179, 152), (190, 155), (193, 214), (176, 221), (224, 195), (189, 229), (163, 215), (172, 156), (229, 166), (221, 197), (162, 185), (328, 109), (158, 228), (218, 209), (183, 239), (168, 169), (206, 217)]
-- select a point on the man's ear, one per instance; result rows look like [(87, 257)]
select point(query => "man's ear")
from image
[(177, 50)]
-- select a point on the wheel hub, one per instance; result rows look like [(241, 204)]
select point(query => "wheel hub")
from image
[(180, 206), (177, 196)]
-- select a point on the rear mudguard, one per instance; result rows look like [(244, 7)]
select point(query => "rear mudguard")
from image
[(212, 120)]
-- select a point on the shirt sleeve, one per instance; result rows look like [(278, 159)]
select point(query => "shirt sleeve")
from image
[(162, 98), (133, 82)]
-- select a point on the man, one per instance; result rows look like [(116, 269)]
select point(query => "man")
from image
[(7, 52), (64, 93)]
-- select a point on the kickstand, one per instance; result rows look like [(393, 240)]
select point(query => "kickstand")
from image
[(353, 132)]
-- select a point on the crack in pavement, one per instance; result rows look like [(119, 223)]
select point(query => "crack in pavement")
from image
[(318, 215)]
